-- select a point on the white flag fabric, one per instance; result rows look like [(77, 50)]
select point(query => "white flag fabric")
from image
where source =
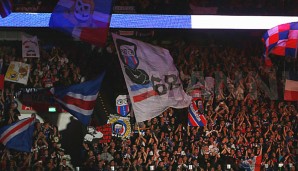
[(151, 78), (30, 47)]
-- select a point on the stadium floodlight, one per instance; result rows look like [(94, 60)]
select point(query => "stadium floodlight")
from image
[(157, 21), (238, 22)]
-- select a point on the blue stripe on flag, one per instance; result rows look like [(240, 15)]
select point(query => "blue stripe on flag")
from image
[(137, 87)]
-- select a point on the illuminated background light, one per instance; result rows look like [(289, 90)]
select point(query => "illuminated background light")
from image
[(160, 21)]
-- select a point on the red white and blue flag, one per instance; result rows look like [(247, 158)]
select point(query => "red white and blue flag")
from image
[(281, 40), (86, 20), (5, 8), (291, 87), (151, 78), (252, 164), (123, 105), (196, 115), (79, 99), (18, 135)]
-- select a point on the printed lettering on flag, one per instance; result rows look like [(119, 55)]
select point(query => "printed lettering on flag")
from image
[(79, 99), (86, 20), (18, 135), (30, 47), (123, 105), (18, 72), (36, 100), (196, 113), (5, 8), (151, 78), (120, 126)]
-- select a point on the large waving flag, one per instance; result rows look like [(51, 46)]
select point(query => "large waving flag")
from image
[(151, 78), (5, 8), (79, 99), (18, 135), (291, 87), (87, 20), (281, 40), (196, 115)]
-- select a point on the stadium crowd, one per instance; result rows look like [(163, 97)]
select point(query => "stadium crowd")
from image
[(243, 119)]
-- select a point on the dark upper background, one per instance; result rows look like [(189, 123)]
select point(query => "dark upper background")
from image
[(221, 7)]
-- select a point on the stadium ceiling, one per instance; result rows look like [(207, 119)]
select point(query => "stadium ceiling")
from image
[(155, 21)]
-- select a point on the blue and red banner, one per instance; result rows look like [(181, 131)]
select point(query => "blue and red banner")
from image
[(79, 99), (196, 115), (86, 20), (123, 105), (18, 135), (281, 40)]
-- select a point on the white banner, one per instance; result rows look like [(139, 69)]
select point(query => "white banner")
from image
[(18, 72), (30, 47), (151, 78)]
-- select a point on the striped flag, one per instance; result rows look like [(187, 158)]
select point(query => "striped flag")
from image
[(291, 87), (18, 135), (5, 8), (79, 99), (86, 20), (196, 115)]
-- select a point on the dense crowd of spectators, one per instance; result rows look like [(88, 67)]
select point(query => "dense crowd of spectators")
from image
[(243, 120), (221, 7), (52, 69)]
